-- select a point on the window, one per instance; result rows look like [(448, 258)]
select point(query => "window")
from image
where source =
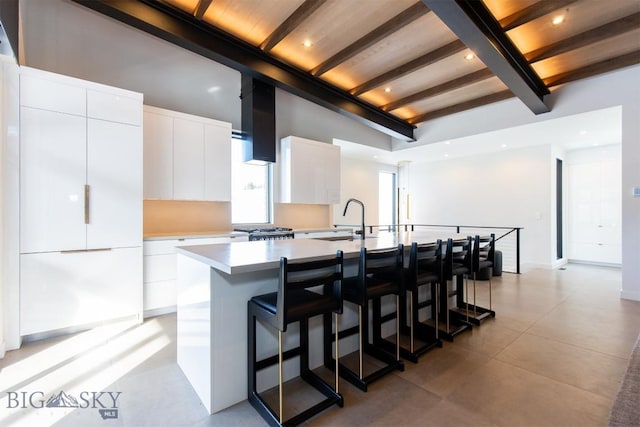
[(386, 198), (250, 189)]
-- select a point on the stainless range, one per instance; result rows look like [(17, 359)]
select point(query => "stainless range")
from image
[(267, 233)]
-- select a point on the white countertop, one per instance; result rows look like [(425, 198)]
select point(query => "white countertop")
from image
[(192, 235), (244, 257)]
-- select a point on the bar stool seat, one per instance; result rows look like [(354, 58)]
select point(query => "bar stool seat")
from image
[(305, 290)]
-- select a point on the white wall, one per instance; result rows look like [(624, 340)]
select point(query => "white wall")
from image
[(505, 189), (359, 179)]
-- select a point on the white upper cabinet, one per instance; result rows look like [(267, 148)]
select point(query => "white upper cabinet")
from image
[(310, 171), (158, 155), (113, 107), (217, 160), (188, 160), (53, 93), (186, 157)]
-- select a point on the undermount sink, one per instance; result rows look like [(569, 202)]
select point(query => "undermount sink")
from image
[(347, 238)]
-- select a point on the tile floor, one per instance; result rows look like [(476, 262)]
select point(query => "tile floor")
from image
[(553, 356)]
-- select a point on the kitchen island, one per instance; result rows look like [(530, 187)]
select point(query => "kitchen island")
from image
[(215, 282)]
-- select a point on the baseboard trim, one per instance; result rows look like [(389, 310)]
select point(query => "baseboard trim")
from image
[(599, 264), (630, 295), (160, 311)]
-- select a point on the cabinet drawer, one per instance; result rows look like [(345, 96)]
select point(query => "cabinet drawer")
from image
[(159, 247), (203, 241), (52, 95), (159, 267), (114, 108), (60, 290), (160, 294)]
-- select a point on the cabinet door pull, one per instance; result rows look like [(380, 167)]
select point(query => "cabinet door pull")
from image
[(87, 198), (76, 251)]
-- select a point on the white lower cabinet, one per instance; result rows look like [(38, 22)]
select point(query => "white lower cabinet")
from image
[(65, 289), (160, 270)]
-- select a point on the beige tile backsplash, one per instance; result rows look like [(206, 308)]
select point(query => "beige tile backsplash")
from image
[(178, 217)]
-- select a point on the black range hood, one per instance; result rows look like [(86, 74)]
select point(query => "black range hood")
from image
[(258, 120)]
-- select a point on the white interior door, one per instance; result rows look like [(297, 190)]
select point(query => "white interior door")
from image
[(114, 174), (52, 174)]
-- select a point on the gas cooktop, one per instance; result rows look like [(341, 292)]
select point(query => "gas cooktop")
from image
[(267, 233)]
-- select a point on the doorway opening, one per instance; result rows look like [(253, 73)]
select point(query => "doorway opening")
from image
[(386, 198)]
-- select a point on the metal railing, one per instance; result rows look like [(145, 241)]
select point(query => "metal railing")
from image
[(507, 240)]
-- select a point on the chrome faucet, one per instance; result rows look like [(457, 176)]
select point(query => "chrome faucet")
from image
[(361, 204)]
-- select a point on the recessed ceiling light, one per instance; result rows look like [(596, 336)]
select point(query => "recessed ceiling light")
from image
[(504, 146), (307, 43), (469, 56), (557, 20), (583, 132), (213, 89), (446, 155), (387, 89), (447, 142)]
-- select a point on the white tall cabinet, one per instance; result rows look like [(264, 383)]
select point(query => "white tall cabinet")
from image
[(595, 202), (80, 202)]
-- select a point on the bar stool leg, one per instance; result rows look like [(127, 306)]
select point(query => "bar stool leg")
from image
[(398, 327), (411, 321), (337, 353), (437, 299), (280, 377), (490, 290), (466, 291), (360, 373), (475, 314)]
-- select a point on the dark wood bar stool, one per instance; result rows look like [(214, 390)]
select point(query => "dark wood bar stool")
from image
[(483, 256), (305, 290), (457, 265), (425, 269), (380, 273)]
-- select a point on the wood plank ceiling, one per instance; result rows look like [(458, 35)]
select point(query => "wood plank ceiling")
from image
[(403, 58)]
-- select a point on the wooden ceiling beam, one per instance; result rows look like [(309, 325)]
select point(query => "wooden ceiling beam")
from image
[(201, 8), (463, 106), (627, 60), (411, 66), (182, 29), (463, 81), (474, 24), (611, 29), (394, 24), (532, 12), (305, 10)]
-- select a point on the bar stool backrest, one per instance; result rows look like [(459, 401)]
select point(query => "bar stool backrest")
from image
[(299, 277), (457, 257), (484, 248), (424, 258), (380, 265)]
